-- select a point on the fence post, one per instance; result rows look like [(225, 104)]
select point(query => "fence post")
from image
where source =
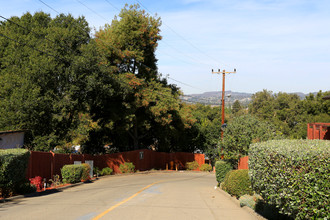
[(52, 165)]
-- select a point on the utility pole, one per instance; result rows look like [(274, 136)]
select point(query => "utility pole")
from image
[(223, 97)]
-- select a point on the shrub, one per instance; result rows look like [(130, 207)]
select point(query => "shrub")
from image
[(86, 170), (221, 169), (56, 181), (127, 167), (72, 173), (192, 165), (205, 167), (249, 201), (237, 183), (293, 175), (97, 171), (106, 171), (13, 165), (37, 182)]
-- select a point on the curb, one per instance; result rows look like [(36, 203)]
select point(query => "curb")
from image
[(58, 189), (61, 188), (236, 201), (46, 192)]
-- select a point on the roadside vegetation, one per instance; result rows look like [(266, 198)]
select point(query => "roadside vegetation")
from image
[(103, 92), (67, 87)]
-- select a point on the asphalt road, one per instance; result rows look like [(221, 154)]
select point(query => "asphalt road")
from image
[(160, 195)]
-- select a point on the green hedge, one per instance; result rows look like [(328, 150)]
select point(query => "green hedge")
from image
[(205, 167), (13, 165), (221, 169), (237, 183), (293, 175), (75, 173), (127, 167), (106, 171), (192, 165)]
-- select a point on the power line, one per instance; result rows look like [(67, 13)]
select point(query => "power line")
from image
[(166, 43), (185, 84), (176, 49), (184, 54), (48, 6), (183, 38), (92, 11), (32, 47), (118, 49), (112, 5), (37, 34), (41, 51)]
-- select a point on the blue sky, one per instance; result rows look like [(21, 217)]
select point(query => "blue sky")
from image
[(278, 45)]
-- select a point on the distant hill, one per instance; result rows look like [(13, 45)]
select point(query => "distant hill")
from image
[(214, 98)]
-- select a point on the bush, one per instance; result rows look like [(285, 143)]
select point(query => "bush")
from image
[(96, 171), (72, 173), (237, 183), (13, 165), (205, 167), (192, 165), (293, 175), (249, 201), (86, 170), (56, 181), (106, 171), (37, 182), (221, 169), (127, 167)]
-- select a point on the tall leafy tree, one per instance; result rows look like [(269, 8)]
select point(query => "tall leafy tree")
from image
[(243, 131), (149, 106), (129, 43), (42, 88)]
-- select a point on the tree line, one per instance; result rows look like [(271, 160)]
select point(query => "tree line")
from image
[(66, 87), (271, 116), (103, 91)]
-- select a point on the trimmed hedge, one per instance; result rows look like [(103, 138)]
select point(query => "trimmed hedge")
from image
[(293, 175), (192, 165), (205, 167), (127, 167), (86, 170), (221, 169), (75, 173), (13, 165), (237, 183)]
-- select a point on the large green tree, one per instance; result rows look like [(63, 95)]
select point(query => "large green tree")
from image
[(129, 43), (42, 76), (150, 110), (243, 131)]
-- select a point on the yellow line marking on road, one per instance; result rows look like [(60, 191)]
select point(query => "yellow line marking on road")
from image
[(124, 201)]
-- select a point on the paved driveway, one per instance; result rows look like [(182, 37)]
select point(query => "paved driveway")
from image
[(159, 195)]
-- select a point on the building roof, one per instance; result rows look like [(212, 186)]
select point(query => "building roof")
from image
[(8, 132)]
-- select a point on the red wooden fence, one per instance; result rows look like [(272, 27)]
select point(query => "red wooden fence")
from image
[(48, 164), (318, 131)]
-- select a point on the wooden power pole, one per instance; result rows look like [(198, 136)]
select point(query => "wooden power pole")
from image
[(223, 96)]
